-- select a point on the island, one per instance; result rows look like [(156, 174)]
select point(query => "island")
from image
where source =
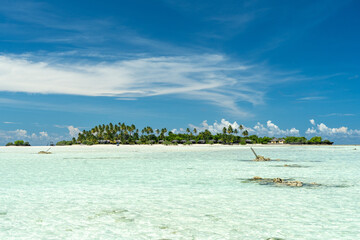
[(18, 143), (128, 134)]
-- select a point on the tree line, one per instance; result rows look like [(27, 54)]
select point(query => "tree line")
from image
[(121, 133), (18, 143)]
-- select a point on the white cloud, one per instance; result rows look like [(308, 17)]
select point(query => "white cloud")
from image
[(216, 127), (44, 134), (310, 131), (73, 131), (323, 130), (272, 129), (23, 134), (213, 79), (20, 133), (259, 129)]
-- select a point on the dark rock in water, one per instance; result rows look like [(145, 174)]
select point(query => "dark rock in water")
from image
[(293, 165), (44, 152), (314, 184), (260, 158), (288, 182), (280, 181), (294, 183), (277, 180)]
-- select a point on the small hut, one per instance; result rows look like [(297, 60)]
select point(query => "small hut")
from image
[(201, 142)]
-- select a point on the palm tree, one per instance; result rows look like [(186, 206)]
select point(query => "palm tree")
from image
[(224, 130), (123, 127), (163, 132), (150, 130), (195, 131), (132, 127), (230, 129), (245, 133)]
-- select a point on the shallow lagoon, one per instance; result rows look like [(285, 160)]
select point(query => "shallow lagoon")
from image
[(178, 192)]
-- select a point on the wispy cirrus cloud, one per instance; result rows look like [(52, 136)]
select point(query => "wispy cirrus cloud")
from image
[(87, 35), (338, 115), (213, 79), (312, 98), (9, 122)]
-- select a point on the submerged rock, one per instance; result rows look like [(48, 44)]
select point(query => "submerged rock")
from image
[(294, 183), (277, 180), (291, 166), (44, 152), (294, 165), (260, 158), (280, 181)]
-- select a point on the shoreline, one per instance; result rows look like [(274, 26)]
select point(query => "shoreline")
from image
[(193, 145)]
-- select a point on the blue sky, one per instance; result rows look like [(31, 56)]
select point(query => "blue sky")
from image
[(278, 67)]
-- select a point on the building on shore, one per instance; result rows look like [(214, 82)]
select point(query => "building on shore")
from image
[(277, 141)]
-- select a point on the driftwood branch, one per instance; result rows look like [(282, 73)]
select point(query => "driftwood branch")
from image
[(254, 152)]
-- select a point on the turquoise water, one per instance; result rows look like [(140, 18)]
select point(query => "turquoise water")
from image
[(178, 192)]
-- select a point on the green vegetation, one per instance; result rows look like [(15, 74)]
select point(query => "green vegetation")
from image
[(315, 140), (64, 143), (18, 143), (128, 134), (296, 140), (302, 140)]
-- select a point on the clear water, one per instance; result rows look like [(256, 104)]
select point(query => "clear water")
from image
[(192, 192)]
